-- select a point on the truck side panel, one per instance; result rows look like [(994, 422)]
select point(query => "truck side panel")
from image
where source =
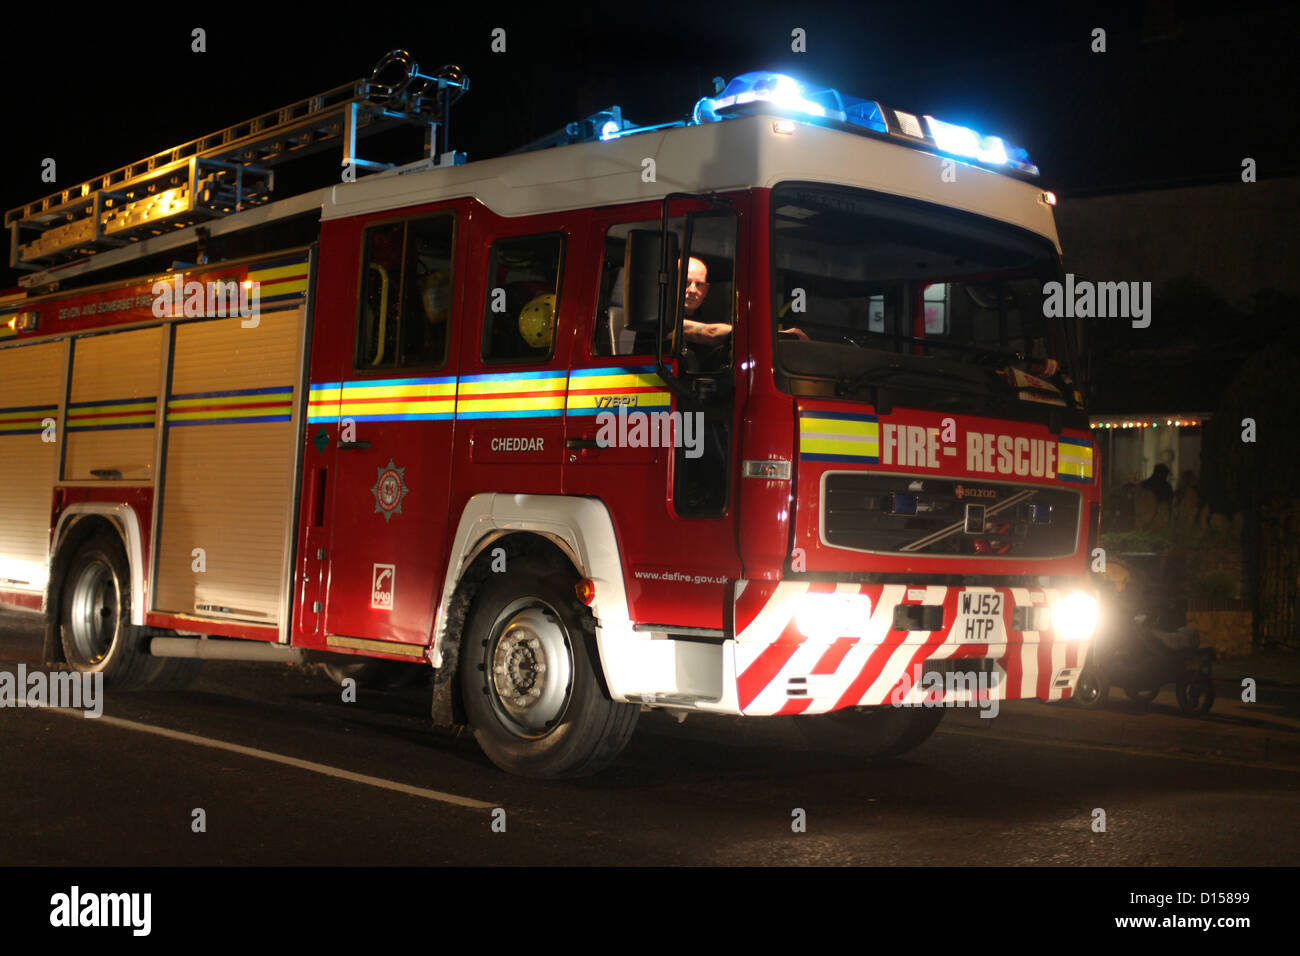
[(231, 423), (31, 396), (112, 406)]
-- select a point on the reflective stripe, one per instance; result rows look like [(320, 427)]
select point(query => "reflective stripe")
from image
[(117, 414), (542, 394), (238, 406)]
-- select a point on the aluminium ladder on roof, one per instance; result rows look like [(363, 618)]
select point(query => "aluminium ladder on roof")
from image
[(208, 177)]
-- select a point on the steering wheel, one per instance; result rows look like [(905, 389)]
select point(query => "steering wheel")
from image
[(790, 335)]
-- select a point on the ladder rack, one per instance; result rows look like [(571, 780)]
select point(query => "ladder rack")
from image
[(226, 171)]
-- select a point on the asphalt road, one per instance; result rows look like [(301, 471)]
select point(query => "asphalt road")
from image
[(285, 772)]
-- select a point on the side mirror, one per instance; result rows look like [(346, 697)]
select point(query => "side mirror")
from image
[(642, 259)]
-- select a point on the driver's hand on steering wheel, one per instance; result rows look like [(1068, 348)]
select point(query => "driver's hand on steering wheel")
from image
[(799, 334)]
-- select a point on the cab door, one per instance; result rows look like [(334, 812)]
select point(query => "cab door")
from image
[(393, 436), (515, 356), (673, 503)]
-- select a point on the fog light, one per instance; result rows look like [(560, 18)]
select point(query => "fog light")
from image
[(824, 616), (1075, 616)]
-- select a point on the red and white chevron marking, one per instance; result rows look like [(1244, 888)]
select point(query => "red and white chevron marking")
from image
[(865, 670)]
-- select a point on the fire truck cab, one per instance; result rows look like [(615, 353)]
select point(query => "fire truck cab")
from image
[(756, 413)]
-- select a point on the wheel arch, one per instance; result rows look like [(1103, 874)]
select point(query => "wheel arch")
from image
[(578, 530)]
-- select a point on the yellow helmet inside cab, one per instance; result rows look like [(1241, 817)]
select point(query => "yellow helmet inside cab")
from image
[(537, 321), (435, 295)]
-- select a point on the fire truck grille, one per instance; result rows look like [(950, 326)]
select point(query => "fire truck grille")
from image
[(901, 514)]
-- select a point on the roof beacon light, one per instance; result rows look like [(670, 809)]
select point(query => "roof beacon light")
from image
[(775, 88), (961, 141), (789, 95)]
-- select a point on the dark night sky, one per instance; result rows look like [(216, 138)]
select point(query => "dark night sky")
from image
[(1179, 96)]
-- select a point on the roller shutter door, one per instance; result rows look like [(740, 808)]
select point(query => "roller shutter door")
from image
[(229, 468), (31, 393), (111, 406)]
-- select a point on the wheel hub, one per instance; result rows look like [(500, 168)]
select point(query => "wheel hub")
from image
[(95, 607), (531, 665)]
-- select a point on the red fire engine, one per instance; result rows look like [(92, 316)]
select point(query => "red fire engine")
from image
[(755, 413)]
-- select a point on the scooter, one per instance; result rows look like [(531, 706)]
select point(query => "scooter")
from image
[(1141, 660)]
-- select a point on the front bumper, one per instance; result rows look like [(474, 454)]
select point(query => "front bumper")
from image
[(982, 649), (987, 643)]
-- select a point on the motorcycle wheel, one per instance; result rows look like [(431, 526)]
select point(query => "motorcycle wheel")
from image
[(1092, 690), (1195, 694)]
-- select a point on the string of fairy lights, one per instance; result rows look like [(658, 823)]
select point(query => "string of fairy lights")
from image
[(1151, 423)]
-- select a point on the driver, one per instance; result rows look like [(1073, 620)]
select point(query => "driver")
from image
[(697, 287)]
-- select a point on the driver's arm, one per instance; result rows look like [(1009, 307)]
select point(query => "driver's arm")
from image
[(705, 333)]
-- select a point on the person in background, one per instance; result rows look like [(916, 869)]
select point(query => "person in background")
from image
[(1158, 484)]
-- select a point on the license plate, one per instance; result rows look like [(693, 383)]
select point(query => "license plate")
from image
[(979, 617)]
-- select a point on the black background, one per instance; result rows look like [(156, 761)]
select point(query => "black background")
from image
[(1181, 95)]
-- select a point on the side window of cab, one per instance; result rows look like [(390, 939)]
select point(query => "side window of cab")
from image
[(618, 331), (406, 293), (522, 298)]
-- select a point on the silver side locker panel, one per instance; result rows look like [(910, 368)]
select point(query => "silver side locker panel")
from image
[(112, 406), (31, 433), (228, 468)]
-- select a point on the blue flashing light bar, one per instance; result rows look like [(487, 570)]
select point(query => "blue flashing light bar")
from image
[(788, 94), (775, 88)]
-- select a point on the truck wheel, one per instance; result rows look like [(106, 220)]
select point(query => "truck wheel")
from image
[(529, 681), (873, 732), (95, 627)]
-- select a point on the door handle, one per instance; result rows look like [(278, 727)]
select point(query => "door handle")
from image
[(358, 445), (109, 473), (581, 448)]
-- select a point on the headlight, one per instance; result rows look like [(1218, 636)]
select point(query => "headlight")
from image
[(1075, 616), (828, 616)]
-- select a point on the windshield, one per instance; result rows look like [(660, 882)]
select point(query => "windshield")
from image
[(939, 308)]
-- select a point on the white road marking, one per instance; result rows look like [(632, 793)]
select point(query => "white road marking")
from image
[(287, 761)]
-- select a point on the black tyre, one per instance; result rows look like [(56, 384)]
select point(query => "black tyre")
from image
[(1195, 694), (1092, 689), (528, 677), (374, 674), (872, 732), (1142, 696), (95, 627)]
